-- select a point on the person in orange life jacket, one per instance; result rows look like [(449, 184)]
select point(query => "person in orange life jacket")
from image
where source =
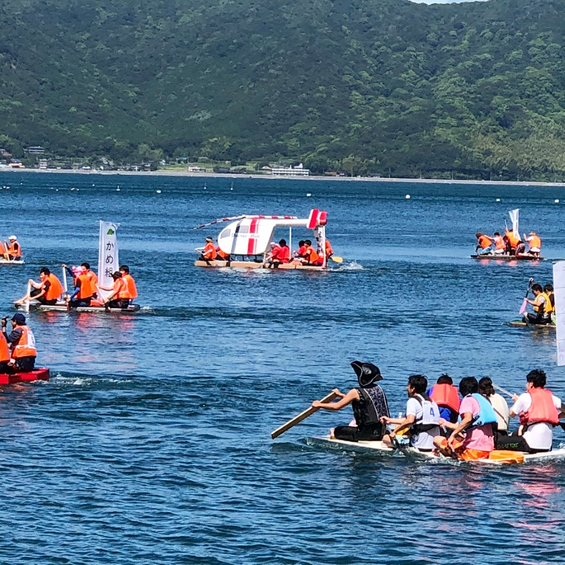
[(422, 417), (499, 244), (329, 249), (472, 437), (369, 404), (484, 243), (539, 411), (279, 254), (534, 243), (86, 283), (119, 294), (301, 251), (310, 256), (209, 252), (513, 241), (130, 283), (446, 397), (542, 307), (22, 343), (5, 355), (47, 291), (14, 250), (222, 255)]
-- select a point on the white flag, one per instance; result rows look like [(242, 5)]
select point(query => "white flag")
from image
[(108, 260)]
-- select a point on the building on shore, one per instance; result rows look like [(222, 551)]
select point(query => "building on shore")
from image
[(298, 171)]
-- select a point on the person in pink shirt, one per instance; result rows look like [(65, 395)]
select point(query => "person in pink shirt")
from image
[(472, 437)]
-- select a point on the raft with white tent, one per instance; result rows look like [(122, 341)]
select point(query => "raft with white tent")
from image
[(246, 239)]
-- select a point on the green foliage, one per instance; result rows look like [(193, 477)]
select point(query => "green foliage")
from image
[(363, 87)]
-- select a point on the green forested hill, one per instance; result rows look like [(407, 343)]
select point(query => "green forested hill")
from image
[(361, 86)]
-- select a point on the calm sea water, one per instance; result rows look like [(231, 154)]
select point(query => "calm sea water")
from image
[(151, 443)]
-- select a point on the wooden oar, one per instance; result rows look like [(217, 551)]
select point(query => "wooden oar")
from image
[(302, 416), (336, 259)]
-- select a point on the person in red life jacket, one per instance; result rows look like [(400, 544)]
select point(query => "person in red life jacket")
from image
[(301, 252), (369, 405), (209, 252), (222, 255), (280, 254), (310, 256), (14, 249), (329, 249), (5, 355), (539, 411), (484, 244), (422, 417), (47, 291), (118, 298), (131, 287), (446, 396), (22, 343), (472, 437), (86, 285)]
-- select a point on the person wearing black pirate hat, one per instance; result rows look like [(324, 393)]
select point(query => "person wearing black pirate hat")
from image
[(369, 404)]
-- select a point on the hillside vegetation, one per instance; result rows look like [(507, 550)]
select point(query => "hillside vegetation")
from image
[(361, 86)]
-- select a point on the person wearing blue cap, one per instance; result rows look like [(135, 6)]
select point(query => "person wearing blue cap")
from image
[(21, 342)]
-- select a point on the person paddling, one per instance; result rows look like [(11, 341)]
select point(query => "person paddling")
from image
[(541, 305), (472, 437), (369, 405), (422, 417), (48, 290)]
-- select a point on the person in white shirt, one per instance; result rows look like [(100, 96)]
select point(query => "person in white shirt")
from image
[(539, 411), (422, 417)]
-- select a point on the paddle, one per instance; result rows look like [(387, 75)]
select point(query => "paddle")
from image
[(525, 302), (336, 259), (302, 416)]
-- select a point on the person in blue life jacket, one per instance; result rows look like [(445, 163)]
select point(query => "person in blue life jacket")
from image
[(369, 404), (422, 417)]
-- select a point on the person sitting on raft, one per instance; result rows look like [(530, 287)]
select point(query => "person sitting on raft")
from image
[(500, 406), (484, 244), (422, 417), (119, 293), (280, 254), (369, 405), (446, 396), (472, 437), (5, 354), (499, 244), (541, 305), (14, 249), (514, 244), (329, 250), (310, 256), (300, 253), (539, 411), (209, 252), (534, 243), (550, 306), (86, 285), (47, 291), (131, 286), (22, 343)]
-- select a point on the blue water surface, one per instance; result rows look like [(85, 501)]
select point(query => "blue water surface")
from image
[(151, 443)]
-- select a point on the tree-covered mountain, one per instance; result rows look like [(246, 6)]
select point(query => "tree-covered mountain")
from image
[(362, 86)]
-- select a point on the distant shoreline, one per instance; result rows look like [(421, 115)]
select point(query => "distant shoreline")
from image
[(162, 173)]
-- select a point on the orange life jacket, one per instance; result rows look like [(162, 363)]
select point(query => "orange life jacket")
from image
[(209, 252), (484, 242), (15, 249), (131, 287), (535, 241), (513, 239), (86, 287), (4, 349), (329, 249), (313, 257), (302, 251), (542, 408), (499, 242), (446, 396), (222, 255), (120, 289), (282, 254), (55, 288), (26, 344), (2, 248)]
